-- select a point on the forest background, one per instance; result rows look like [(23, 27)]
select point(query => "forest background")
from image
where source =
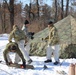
[(38, 12)]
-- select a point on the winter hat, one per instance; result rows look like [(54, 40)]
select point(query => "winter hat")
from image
[(26, 22), (50, 22)]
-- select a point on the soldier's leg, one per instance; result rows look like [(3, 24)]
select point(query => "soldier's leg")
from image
[(49, 51), (21, 47), (8, 57), (17, 58), (56, 52), (27, 47)]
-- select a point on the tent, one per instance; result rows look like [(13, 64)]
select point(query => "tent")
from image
[(41, 34), (67, 30)]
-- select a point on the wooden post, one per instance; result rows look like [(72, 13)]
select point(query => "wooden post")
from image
[(75, 68), (71, 69)]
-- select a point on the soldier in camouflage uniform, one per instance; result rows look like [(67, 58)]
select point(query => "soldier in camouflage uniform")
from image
[(28, 34), (13, 47), (53, 44), (19, 38)]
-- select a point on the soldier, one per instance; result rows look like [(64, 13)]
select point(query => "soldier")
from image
[(29, 35), (53, 44), (25, 27), (13, 47), (20, 38), (25, 30)]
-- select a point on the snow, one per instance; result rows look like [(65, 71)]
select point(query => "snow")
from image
[(38, 63)]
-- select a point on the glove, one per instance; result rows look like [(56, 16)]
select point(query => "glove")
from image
[(23, 65), (9, 63), (32, 37)]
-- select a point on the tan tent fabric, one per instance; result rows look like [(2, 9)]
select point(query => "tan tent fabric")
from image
[(38, 36), (67, 30)]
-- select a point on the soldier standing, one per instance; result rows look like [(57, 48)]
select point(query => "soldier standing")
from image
[(53, 44)]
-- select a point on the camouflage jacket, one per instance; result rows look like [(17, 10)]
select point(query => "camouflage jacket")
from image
[(7, 50), (25, 30), (17, 34), (53, 38)]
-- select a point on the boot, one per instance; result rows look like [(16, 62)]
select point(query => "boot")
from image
[(56, 63), (71, 69), (48, 60), (9, 63), (23, 65), (30, 61)]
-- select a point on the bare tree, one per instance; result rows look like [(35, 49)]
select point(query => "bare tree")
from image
[(30, 9), (38, 9), (11, 10), (62, 10), (67, 7), (4, 22), (55, 10), (3, 16)]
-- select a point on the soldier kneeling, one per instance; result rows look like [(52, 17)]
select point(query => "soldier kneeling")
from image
[(13, 47)]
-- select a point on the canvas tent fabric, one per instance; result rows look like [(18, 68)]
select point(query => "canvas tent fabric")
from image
[(67, 30), (38, 46), (38, 36)]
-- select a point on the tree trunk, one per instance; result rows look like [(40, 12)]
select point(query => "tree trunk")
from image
[(11, 10), (11, 13), (1, 18), (62, 11), (55, 10), (29, 10), (38, 9), (4, 22), (67, 5)]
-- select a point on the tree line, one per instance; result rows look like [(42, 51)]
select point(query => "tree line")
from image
[(37, 12)]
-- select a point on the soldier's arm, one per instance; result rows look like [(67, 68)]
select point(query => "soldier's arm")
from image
[(11, 35), (53, 32), (5, 55), (5, 52)]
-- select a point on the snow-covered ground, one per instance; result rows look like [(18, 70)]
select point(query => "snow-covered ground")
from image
[(38, 63)]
